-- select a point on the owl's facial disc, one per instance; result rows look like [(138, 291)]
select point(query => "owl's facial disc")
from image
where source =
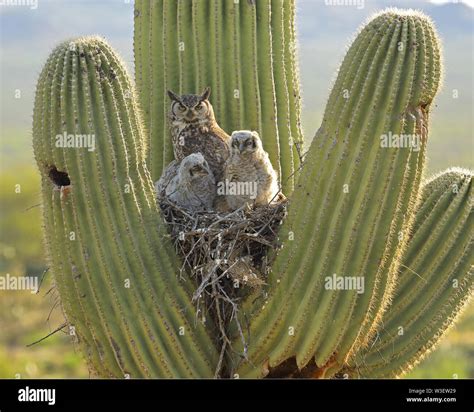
[(245, 142), (235, 146), (178, 109), (248, 146)]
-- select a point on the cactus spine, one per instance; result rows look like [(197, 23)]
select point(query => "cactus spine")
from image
[(107, 232), (243, 50), (351, 201), (435, 281)]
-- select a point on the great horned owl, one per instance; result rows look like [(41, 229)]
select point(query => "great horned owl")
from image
[(249, 177), (189, 183), (194, 129)]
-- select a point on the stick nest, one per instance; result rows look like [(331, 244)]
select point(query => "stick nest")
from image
[(226, 254)]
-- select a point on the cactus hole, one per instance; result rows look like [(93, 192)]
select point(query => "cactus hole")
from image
[(59, 178)]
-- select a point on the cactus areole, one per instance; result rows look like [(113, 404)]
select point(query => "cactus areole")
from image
[(360, 220)]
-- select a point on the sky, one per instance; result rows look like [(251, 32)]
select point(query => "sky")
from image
[(469, 3), (28, 34)]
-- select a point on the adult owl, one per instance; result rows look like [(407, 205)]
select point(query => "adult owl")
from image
[(249, 177), (194, 129), (189, 183)]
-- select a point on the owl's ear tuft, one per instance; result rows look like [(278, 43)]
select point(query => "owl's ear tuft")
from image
[(206, 93), (174, 96)]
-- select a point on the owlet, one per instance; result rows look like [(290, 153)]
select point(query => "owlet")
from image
[(249, 177), (190, 184)]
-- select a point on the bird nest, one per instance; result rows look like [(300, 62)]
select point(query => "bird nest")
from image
[(226, 254)]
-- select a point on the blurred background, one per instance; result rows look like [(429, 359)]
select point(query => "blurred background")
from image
[(28, 34)]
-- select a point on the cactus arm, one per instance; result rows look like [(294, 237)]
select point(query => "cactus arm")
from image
[(426, 68), (119, 236), (70, 296), (435, 281), (328, 222)]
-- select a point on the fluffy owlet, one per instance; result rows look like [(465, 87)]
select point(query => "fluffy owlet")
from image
[(249, 177), (194, 129), (190, 184)]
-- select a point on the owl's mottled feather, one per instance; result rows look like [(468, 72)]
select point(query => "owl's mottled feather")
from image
[(169, 173), (194, 129)]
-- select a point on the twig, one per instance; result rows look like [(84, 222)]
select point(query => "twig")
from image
[(48, 335)]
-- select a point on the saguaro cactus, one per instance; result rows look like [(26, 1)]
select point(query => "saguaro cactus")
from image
[(356, 209)]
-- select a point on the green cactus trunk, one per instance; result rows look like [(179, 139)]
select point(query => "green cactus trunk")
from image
[(244, 50), (115, 270), (435, 282), (352, 202)]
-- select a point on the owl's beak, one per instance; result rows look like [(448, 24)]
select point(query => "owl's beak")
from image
[(190, 115), (241, 147)]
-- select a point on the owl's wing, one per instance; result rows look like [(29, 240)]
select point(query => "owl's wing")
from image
[(218, 146), (221, 134), (217, 150), (165, 180)]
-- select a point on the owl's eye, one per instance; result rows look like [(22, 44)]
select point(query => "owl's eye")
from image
[(181, 108), (196, 169), (199, 107), (249, 143), (235, 143)]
